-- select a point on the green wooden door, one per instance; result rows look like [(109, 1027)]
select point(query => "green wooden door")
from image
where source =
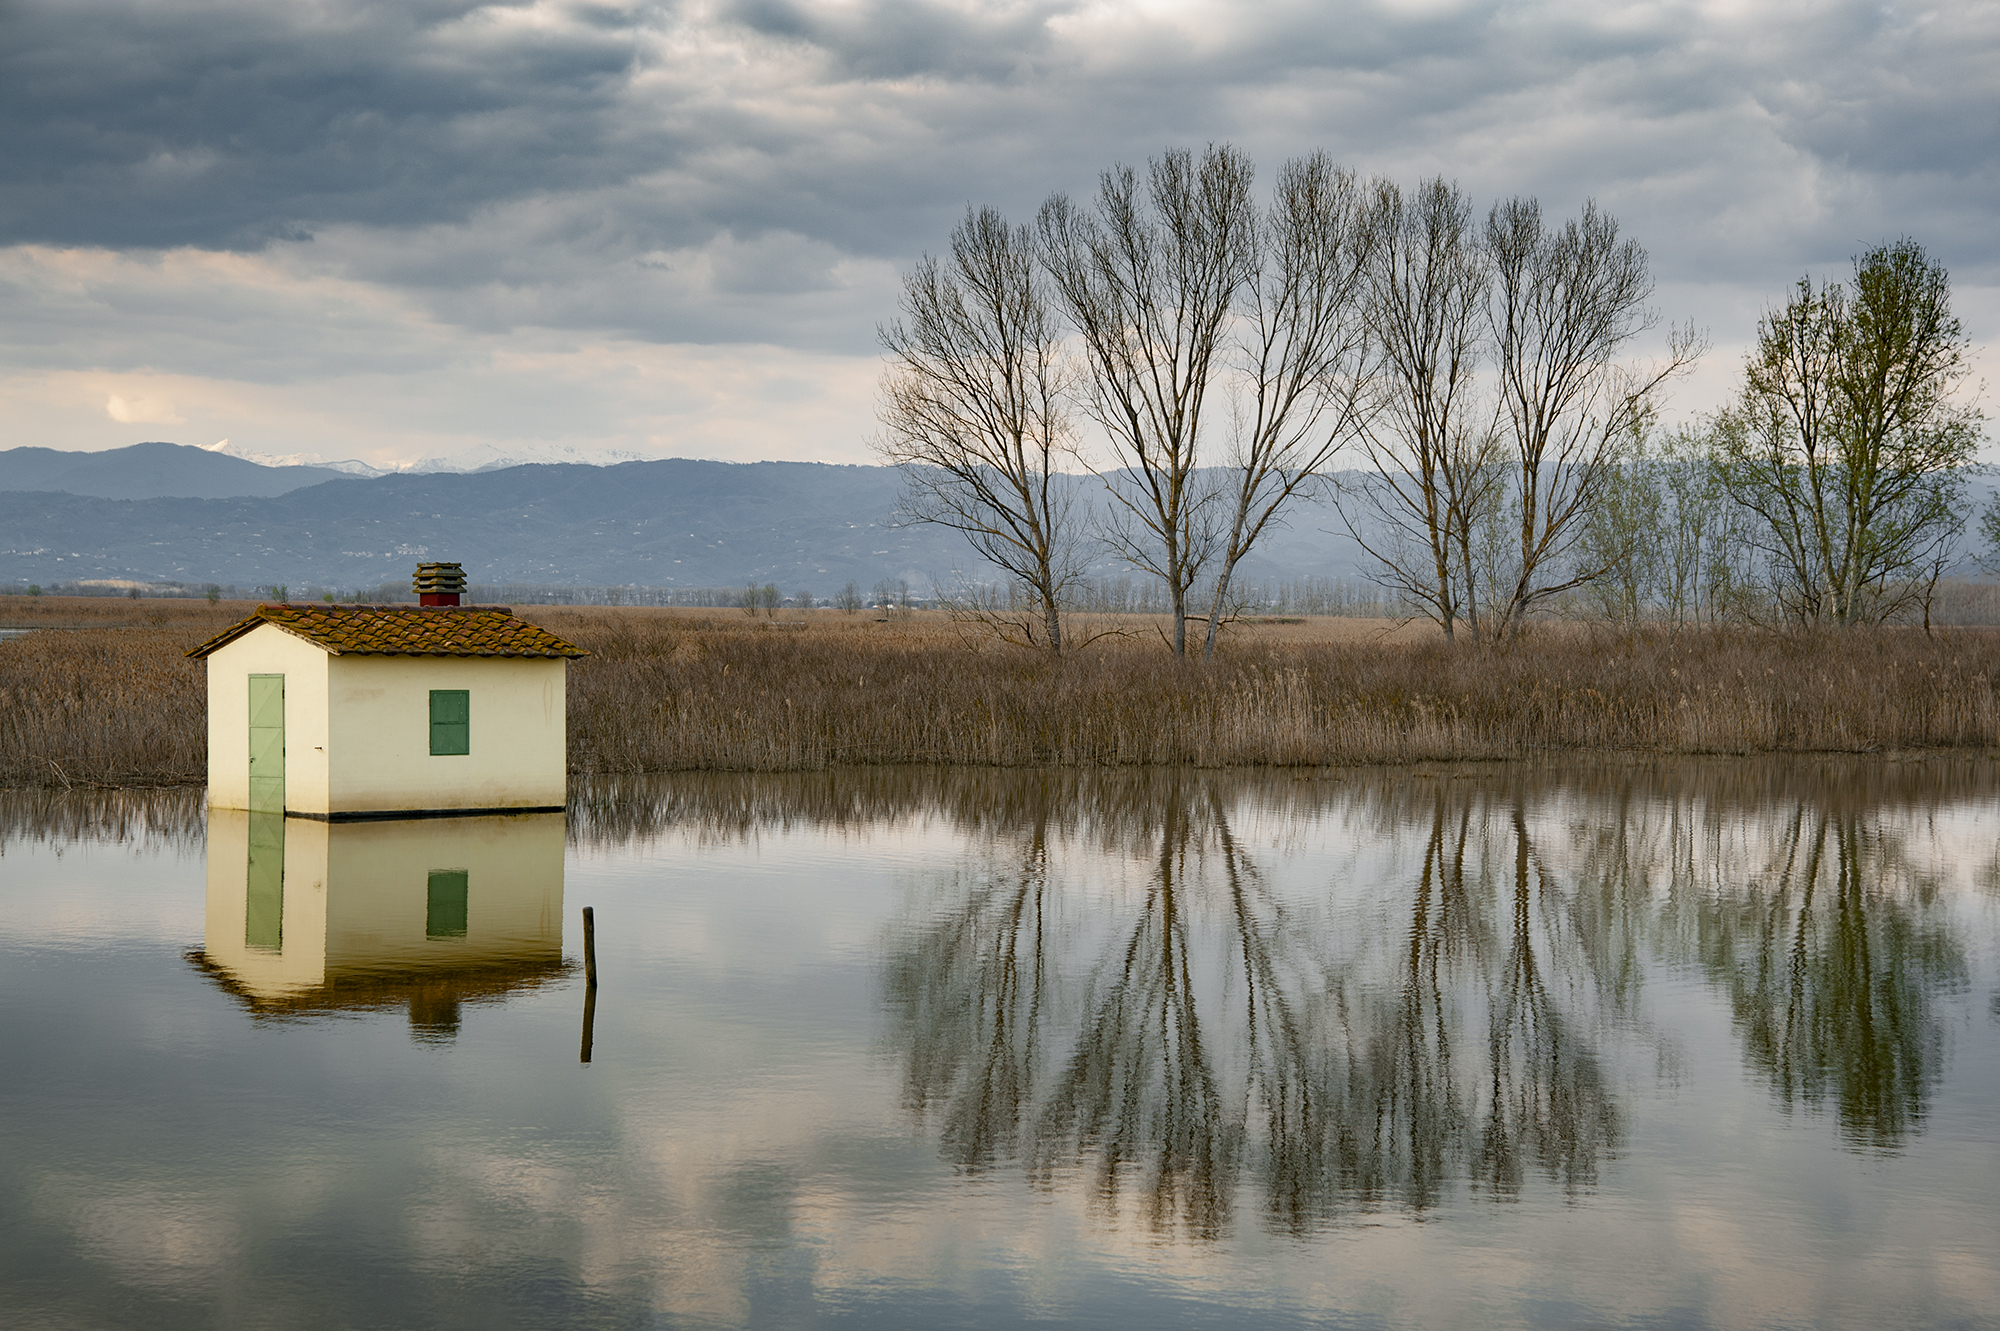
[(267, 742), (264, 907)]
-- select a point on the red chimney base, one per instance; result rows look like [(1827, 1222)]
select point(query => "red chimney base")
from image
[(438, 598)]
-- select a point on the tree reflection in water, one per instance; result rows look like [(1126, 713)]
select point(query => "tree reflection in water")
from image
[(1213, 1034), (1384, 1039), (1833, 959)]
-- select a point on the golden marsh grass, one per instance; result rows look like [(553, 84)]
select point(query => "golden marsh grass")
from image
[(109, 700)]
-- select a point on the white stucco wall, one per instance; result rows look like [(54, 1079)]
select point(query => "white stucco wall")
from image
[(379, 732), (267, 650)]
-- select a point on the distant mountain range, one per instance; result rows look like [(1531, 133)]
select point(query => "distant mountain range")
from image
[(160, 512), (168, 512), (151, 471), (222, 471)]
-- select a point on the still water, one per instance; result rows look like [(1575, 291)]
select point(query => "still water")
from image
[(1695, 1044)]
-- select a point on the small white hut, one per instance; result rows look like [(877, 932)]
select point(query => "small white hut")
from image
[(351, 712)]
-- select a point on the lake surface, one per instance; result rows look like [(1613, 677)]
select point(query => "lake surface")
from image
[(1702, 1044)]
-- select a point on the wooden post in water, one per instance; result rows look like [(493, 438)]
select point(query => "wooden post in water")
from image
[(589, 980)]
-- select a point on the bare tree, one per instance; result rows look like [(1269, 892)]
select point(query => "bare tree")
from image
[(974, 412), (1429, 443), (1148, 282), (1304, 353), (1850, 441), (1564, 303)]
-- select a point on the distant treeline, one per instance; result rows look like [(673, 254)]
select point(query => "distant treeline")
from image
[(1958, 602), (1112, 595), (133, 590)]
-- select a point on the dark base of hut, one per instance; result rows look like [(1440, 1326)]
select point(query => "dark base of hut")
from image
[(396, 815)]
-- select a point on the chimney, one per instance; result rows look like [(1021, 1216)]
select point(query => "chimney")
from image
[(439, 584)]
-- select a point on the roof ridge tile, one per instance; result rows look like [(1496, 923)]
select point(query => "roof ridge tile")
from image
[(402, 630)]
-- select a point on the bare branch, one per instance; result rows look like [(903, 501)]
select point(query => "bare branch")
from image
[(1564, 305), (1427, 434), (1304, 354), (1148, 281), (975, 410)]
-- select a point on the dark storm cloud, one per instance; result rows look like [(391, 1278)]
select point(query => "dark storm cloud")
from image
[(136, 124), (228, 125), (755, 170), (903, 38)]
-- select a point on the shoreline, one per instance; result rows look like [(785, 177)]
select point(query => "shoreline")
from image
[(1547, 759)]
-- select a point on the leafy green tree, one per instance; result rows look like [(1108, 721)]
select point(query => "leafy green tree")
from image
[(1989, 531), (1621, 539), (1852, 437), (1700, 546)]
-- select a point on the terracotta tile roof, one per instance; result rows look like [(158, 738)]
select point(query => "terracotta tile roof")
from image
[(403, 630)]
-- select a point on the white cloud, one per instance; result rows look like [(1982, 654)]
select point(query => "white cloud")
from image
[(141, 411)]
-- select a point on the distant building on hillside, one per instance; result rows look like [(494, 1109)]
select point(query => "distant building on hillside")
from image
[(351, 712)]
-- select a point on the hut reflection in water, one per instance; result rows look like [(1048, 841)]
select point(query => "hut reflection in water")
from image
[(307, 917)]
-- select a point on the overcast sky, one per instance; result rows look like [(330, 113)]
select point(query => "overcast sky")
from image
[(391, 228)]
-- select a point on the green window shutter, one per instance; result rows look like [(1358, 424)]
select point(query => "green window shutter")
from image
[(451, 721), (444, 906)]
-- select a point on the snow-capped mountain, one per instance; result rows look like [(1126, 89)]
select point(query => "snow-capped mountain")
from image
[(352, 466), (479, 457)]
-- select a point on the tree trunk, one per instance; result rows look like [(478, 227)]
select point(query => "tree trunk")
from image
[(1215, 605)]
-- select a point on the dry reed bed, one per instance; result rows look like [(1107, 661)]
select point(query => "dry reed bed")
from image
[(666, 691), (102, 695), (663, 695)]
